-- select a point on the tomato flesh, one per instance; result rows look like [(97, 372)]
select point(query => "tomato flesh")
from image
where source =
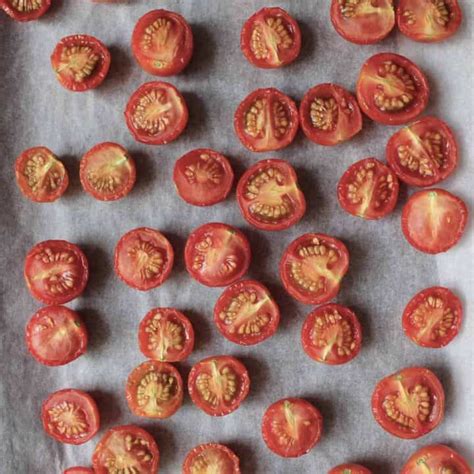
[(25, 10), (350, 469), (78, 470), (209, 458)]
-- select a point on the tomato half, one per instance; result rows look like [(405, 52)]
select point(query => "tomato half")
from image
[(211, 457), (143, 258), (25, 10), (368, 189), (434, 220), (70, 416), (162, 43), (217, 254), (350, 469), (291, 427), (391, 89), (40, 176), (410, 403), (107, 172), (79, 470), (166, 334), (313, 266), (266, 120), (203, 177), (56, 271), (156, 113), (80, 62), (218, 385)]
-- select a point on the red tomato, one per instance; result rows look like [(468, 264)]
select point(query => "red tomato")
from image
[(211, 457), (391, 89), (143, 258), (217, 254), (269, 196), (166, 334), (423, 153), (107, 172), (80, 62), (56, 271), (434, 220), (368, 189), (409, 403), (349, 469), (218, 385), (292, 427), (330, 115), (25, 10), (79, 470), (156, 113), (266, 120), (270, 38), (203, 177), (313, 266), (70, 416), (40, 176)]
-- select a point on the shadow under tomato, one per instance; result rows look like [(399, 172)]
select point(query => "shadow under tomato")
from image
[(98, 330), (197, 123), (146, 172), (374, 465), (204, 51), (308, 42), (71, 163), (178, 243), (109, 407), (202, 324), (258, 370), (121, 67), (326, 407), (100, 268), (52, 13), (165, 439), (246, 455)]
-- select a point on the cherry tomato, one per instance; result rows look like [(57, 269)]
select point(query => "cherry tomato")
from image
[(368, 189), (291, 427), (269, 196), (25, 10), (266, 120), (217, 254), (79, 470), (211, 457), (434, 220), (56, 271), (313, 266), (218, 385), (391, 89), (203, 177), (166, 334), (70, 416), (156, 113), (143, 258), (162, 43), (349, 469)]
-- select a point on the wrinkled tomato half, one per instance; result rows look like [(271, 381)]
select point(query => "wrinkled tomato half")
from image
[(212, 457), (434, 220), (350, 469), (391, 89), (410, 403), (25, 10), (291, 427), (56, 271), (70, 416), (266, 120), (218, 385), (368, 189), (80, 62), (79, 470), (143, 258)]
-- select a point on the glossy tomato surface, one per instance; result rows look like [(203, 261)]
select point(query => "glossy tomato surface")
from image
[(25, 10), (79, 470), (350, 469), (209, 458)]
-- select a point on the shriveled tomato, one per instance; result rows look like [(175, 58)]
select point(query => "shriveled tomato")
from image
[(211, 457), (203, 177), (350, 469), (217, 254), (368, 189), (434, 220), (79, 470), (218, 385), (56, 271), (143, 258), (392, 89), (25, 10)]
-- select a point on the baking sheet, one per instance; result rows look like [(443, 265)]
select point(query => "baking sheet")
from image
[(384, 273)]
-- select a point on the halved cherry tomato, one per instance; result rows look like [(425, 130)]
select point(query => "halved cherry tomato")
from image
[(203, 177), (270, 38), (392, 89), (350, 469), (218, 385), (313, 266), (25, 10), (166, 334), (143, 258), (423, 153), (40, 176), (70, 416), (266, 120), (56, 271), (409, 403), (368, 189), (80, 62), (156, 113), (434, 220), (107, 172), (329, 114), (211, 457), (162, 43), (217, 254), (269, 196), (292, 427), (79, 470)]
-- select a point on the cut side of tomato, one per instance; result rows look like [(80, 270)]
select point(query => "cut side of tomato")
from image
[(79, 470), (211, 457), (25, 10), (350, 469)]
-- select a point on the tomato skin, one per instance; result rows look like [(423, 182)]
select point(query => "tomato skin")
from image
[(17, 15), (349, 469), (229, 462), (79, 470)]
